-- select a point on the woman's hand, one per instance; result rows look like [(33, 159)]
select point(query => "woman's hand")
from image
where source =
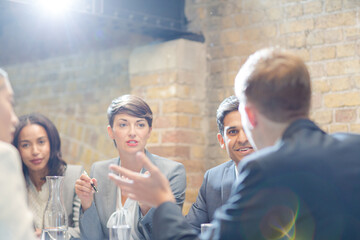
[(85, 191)]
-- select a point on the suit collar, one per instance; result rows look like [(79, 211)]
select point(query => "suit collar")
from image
[(112, 189), (298, 125), (227, 181)]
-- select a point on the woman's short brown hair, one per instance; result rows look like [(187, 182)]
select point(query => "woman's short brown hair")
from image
[(277, 82), (131, 105)]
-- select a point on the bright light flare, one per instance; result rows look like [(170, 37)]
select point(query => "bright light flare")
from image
[(54, 7)]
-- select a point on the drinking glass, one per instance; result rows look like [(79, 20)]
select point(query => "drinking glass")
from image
[(205, 227), (54, 234), (120, 232)]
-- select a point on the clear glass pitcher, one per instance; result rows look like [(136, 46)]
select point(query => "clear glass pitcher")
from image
[(55, 217)]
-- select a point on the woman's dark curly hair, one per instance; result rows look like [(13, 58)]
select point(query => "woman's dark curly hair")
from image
[(56, 164)]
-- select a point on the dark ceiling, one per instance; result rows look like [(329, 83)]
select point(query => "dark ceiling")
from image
[(26, 34)]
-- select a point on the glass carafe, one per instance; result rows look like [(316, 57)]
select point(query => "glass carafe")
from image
[(55, 217)]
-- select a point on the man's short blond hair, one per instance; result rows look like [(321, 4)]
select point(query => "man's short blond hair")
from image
[(277, 82)]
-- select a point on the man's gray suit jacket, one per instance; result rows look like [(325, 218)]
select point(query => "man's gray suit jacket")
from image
[(93, 221), (306, 186), (213, 193)]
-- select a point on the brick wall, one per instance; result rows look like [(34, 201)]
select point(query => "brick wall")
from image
[(74, 92), (325, 33), (171, 77)]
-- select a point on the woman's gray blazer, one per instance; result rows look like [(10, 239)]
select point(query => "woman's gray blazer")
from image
[(93, 221)]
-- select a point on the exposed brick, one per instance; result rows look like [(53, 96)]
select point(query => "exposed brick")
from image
[(196, 122), (227, 22), (216, 66), (316, 70), (346, 50), (232, 64), (342, 67), (182, 136), (197, 152), (180, 106), (275, 13), (323, 116), (323, 53), (338, 128), (320, 86), (357, 81), (86, 156), (194, 179), (296, 41), (297, 26), (186, 207), (154, 137), (171, 121), (193, 166), (241, 49), (258, 33), (355, 128), (258, 4), (352, 33), (350, 4), (144, 80), (342, 99), (290, 1), (316, 101), (312, 7), (340, 84), (168, 92), (336, 20), (303, 53), (191, 194), (345, 115), (182, 152), (230, 36), (333, 5), (102, 141), (315, 38), (333, 36), (242, 20), (294, 10)]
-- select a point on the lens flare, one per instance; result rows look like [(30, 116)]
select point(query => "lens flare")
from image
[(279, 222), (54, 7)]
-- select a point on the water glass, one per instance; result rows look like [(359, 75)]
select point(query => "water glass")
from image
[(121, 232), (205, 227), (54, 234)]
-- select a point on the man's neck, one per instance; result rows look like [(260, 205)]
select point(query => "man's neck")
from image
[(270, 132)]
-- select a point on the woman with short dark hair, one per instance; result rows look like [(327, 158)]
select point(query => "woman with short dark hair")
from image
[(130, 125)]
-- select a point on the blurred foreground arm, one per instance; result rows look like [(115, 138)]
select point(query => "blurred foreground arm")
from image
[(153, 189), (15, 218)]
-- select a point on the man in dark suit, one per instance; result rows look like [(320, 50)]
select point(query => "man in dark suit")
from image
[(301, 184), (217, 183)]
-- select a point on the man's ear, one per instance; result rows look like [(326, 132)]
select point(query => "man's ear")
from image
[(110, 132), (251, 115), (221, 141)]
